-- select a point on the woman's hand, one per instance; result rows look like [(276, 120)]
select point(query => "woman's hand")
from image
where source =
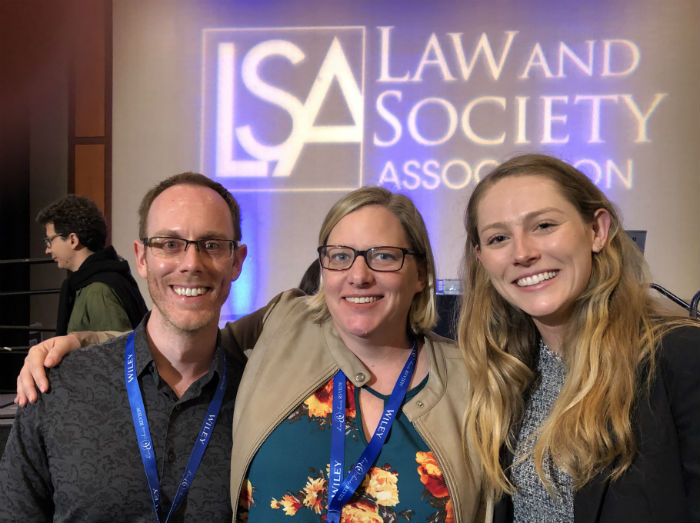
[(48, 353)]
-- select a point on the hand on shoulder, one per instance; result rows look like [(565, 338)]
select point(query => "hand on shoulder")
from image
[(48, 353)]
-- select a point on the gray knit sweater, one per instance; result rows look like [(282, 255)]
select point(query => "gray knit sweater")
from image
[(532, 502)]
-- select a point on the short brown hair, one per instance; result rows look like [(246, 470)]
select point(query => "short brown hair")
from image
[(190, 178)]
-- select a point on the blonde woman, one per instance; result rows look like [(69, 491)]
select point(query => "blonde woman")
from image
[(584, 399)]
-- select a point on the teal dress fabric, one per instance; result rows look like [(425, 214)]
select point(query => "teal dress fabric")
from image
[(288, 477)]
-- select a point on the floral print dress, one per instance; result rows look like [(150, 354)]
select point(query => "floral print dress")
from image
[(288, 477)]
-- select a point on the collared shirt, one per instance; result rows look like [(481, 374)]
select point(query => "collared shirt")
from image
[(73, 456)]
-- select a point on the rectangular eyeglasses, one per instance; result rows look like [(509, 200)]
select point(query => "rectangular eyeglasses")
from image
[(168, 247), (380, 259)]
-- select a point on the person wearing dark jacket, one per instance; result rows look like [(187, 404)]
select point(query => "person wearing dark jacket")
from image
[(100, 292)]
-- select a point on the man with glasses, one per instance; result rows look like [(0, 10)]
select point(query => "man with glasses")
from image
[(99, 292), (139, 428)]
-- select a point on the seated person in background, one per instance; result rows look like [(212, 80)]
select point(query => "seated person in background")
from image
[(583, 397), (99, 293), (125, 419)]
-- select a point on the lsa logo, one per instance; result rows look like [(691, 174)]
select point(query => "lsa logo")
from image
[(283, 108)]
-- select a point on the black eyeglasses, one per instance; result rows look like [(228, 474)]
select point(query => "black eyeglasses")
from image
[(167, 247), (380, 259), (49, 239)]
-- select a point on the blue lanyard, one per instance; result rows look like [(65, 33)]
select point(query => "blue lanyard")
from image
[(340, 491), (143, 433)]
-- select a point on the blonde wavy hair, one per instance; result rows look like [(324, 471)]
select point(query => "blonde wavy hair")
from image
[(614, 330), (422, 315)]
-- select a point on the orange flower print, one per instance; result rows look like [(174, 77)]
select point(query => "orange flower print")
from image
[(431, 475), (450, 516), (320, 403), (314, 494), (382, 486), (360, 511), (289, 503)]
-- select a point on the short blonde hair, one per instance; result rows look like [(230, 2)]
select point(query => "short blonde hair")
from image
[(422, 315)]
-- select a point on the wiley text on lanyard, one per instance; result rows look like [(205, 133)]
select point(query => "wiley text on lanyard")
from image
[(340, 492)]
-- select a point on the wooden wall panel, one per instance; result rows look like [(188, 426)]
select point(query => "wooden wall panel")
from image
[(89, 70), (89, 172), (90, 105)]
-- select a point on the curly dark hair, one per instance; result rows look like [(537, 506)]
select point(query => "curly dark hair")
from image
[(79, 215)]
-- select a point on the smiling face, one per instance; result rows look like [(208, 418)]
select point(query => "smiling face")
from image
[(188, 291), (536, 247), (366, 305)]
